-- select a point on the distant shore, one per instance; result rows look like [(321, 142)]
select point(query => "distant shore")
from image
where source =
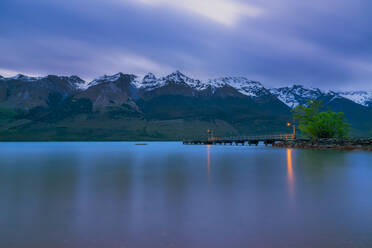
[(335, 144)]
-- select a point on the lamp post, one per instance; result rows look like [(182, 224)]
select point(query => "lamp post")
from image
[(294, 129), (210, 134)]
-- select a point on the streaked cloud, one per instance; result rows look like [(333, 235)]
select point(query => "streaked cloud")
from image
[(226, 12), (10, 73), (135, 63)]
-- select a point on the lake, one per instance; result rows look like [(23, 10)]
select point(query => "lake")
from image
[(119, 194)]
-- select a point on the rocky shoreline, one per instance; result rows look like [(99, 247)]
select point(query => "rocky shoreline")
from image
[(336, 144)]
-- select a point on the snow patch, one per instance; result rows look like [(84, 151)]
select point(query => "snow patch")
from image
[(24, 78), (105, 79), (241, 84), (361, 97), (296, 95)]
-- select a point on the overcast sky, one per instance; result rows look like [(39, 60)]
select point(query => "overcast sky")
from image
[(319, 43)]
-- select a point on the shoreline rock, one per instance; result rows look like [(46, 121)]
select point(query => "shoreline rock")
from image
[(333, 144)]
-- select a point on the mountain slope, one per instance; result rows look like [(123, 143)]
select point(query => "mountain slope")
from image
[(28, 92), (360, 97), (359, 117), (111, 91)]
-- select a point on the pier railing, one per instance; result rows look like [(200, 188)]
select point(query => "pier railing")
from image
[(271, 137), (255, 137)]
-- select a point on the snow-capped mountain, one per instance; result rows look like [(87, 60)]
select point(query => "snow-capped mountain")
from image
[(299, 95), (24, 78), (361, 97), (125, 105), (111, 91), (296, 95), (27, 92), (74, 81), (151, 82), (241, 84), (105, 79), (292, 96)]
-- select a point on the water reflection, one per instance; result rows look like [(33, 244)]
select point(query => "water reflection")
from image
[(290, 172), (318, 163), (209, 161), (121, 195)]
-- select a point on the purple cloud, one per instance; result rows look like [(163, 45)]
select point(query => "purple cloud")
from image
[(325, 44)]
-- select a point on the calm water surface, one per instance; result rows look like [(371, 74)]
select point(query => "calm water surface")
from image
[(169, 195)]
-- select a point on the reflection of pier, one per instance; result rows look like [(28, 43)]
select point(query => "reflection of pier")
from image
[(241, 140)]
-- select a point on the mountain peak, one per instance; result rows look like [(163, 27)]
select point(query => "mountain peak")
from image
[(19, 76), (241, 84), (77, 82), (177, 76), (120, 77), (76, 79), (24, 78), (106, 78), (149, 77), (177, 73)]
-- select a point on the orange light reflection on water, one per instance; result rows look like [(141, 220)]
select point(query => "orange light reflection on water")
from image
[(209, 160), (290, 172)]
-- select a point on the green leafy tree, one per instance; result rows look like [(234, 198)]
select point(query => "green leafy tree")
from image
[(316, 124)]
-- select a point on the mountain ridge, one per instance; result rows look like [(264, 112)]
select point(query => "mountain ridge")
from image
[(290, 95), (173, 107)]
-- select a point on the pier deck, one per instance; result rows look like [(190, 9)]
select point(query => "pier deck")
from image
[(240, 140)]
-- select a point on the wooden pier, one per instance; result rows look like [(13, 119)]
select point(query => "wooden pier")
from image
[(241, 140)]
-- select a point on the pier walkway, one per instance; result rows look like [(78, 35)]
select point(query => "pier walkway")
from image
[(240, 140)]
